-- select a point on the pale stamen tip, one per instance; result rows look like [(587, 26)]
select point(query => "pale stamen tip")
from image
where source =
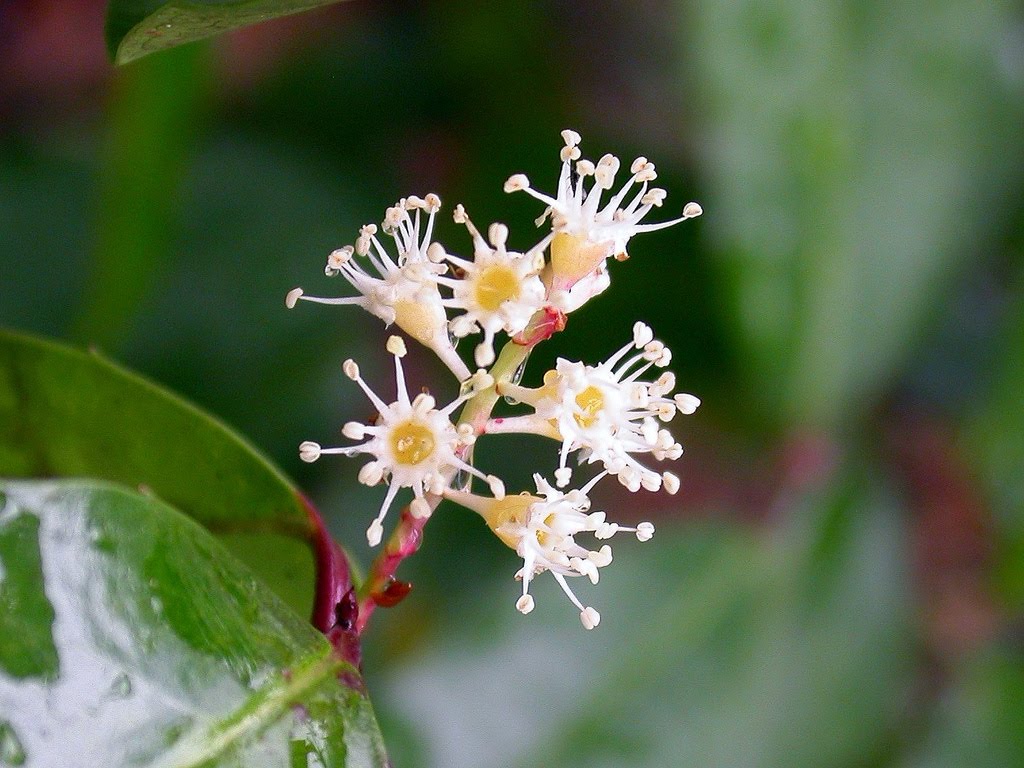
[(642, 335), (484, 354), (497, 233), (692, 210), (645, 531), (525, 604), (687, 404), (353, 430), (351, 369), (309, 451), (396, 346), (375, 533), (590, 618), (420, 509), (497, 487), (481, 380), (516, 182), (562, 476), (292, 297)]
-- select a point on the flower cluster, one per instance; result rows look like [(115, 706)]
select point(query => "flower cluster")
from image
[(613, 414)]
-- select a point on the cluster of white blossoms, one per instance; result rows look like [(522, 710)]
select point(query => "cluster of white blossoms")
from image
[(611, 414)]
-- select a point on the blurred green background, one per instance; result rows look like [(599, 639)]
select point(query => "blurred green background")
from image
[(840, 582)]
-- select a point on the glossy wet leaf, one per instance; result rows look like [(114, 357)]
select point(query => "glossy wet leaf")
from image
[(843, 142), (139, 27), (68, 413), (151, 646)]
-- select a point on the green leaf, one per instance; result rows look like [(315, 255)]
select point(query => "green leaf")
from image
[(69, 413), (162, 650), (139, 27), (980, 721), (855, 155)]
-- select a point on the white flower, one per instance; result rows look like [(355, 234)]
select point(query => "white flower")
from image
[(498, 290), (543, 529), (607, 413), (406, 291), (413, 444), (587, 232)]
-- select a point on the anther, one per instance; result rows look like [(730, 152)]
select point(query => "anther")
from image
[(396, 346), (309, 451), (590, 618)]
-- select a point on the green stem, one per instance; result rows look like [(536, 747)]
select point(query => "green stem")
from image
[(478, 409), (408, 533)]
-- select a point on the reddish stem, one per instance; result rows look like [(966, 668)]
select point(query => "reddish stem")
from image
[(381, 587), (335, 609), (543, 325)]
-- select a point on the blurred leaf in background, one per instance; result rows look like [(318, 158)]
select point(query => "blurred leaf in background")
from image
[(855, 154)]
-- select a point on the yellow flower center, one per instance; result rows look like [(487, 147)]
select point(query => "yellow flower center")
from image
[(573, 258), (542, 537), (412, 442), (590, 402), (494, 285)]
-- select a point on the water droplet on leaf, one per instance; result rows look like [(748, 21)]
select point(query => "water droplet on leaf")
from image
[(517, 374), (11, 751), (394, 593), (121, 687)]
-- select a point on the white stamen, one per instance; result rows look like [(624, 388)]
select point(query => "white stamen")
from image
[(371, 473), (642, 335), (353, 430), (309, 451), (590, 618), (419, 509), (516, 182), (396, 346), (375, 533), (687, 404), (292, 298), (497, 486)]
